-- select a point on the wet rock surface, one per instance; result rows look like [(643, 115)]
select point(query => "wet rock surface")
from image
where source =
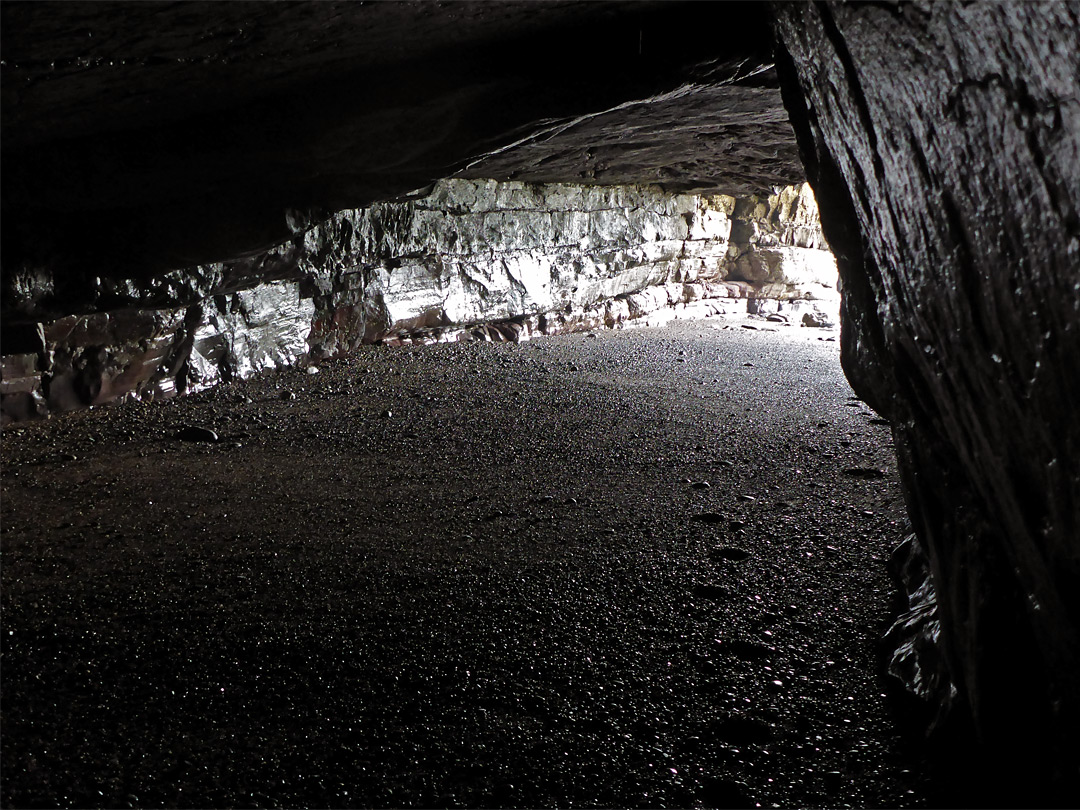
[(960, 313), (464, 574)]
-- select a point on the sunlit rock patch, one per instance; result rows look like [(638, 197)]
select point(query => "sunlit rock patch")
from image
[(472, 259)]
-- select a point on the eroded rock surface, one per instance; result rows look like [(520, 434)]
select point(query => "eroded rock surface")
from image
[(158, 136), (942, 143), (471, 260)]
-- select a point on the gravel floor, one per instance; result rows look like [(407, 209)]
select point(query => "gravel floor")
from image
[(625, 570)]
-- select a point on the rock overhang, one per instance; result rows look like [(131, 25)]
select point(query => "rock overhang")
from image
[(155, 137)]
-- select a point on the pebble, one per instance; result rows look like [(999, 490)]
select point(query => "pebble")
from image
[(708, 517), (745, 649), (730, 553), (192, 433), (312, 369), (386, 414), (736, 526), (745, 498), (700, 485), (706, 591), (741, 730), (864, 472), (287, 395)]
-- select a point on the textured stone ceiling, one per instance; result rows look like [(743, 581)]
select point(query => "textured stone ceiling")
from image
[(158, 135)]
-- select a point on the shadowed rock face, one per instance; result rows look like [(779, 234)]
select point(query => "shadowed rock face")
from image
[(942, 142), (143, 139), (158, 136)]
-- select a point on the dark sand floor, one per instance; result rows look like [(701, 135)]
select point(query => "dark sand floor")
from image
[(471, 574)]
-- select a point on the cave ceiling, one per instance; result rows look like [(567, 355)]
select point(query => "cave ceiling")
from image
[(157, 135)]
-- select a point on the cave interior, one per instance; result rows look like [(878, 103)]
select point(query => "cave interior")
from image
[(166, 164)]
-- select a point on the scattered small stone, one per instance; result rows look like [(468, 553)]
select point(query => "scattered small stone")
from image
[(700, 485), (706, 591), (817, 319), (864, 472), (736, 526), (287, 395), (386, 414), (708, 517), (745, 498), (192, 433), (832, 551), (776, 317), (749, 326), (312, 369), (729, 553), (748, 365)]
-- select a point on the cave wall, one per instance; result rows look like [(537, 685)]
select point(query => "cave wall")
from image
[(942, 143), (471, 259)]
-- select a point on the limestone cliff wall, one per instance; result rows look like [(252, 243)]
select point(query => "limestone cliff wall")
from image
[(472, 259)]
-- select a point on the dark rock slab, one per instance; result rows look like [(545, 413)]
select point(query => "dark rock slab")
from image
[(941, 143)]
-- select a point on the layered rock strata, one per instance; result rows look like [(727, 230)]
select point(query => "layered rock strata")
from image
[(470, 260)]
